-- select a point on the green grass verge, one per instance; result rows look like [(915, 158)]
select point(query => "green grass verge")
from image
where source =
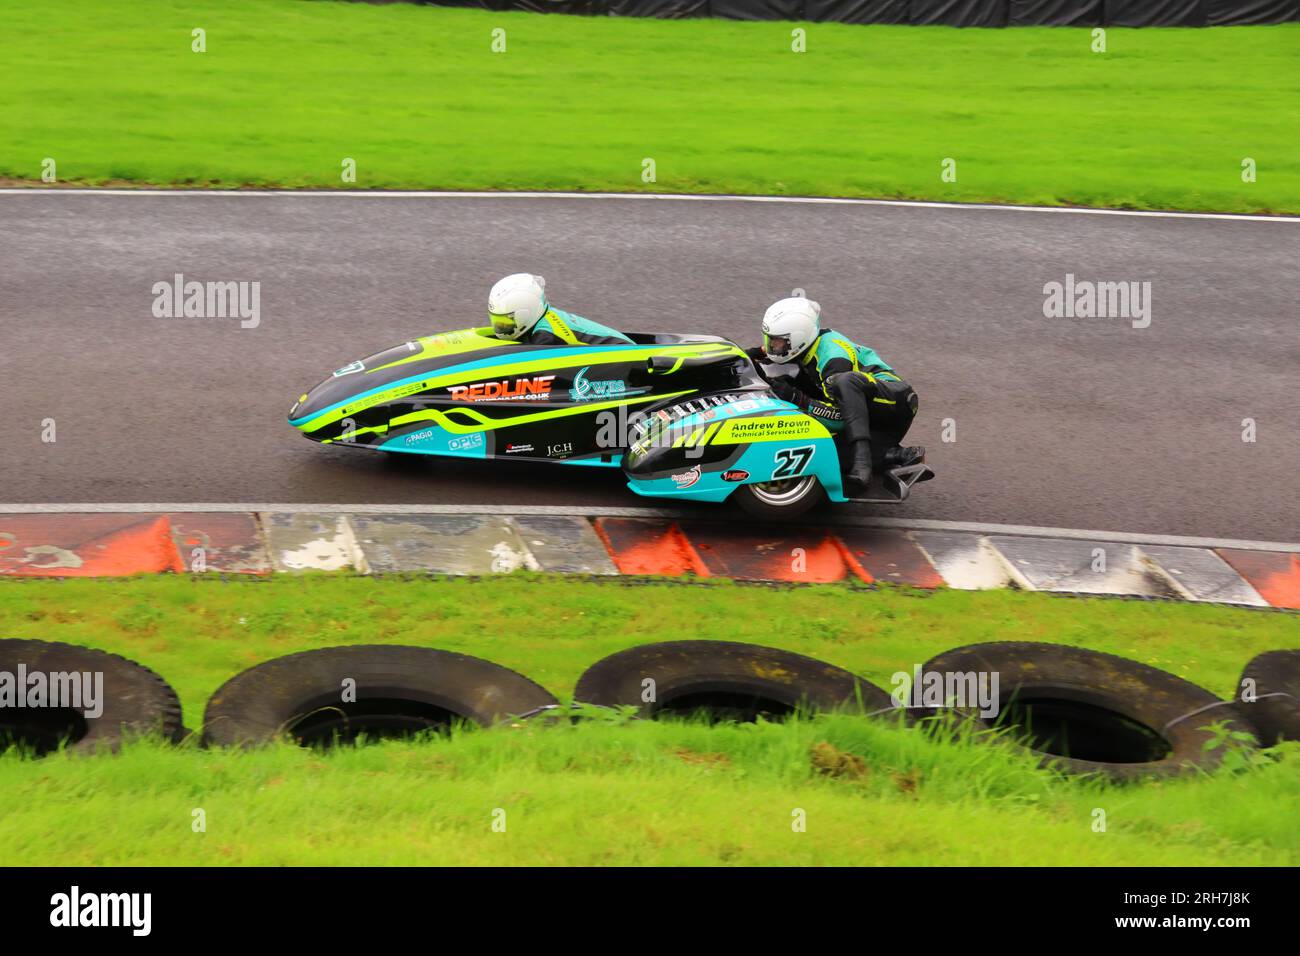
[(650, 793), (198, 633), (619, 792), (286, 90)]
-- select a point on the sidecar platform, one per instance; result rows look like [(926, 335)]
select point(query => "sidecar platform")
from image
[(895, 484)]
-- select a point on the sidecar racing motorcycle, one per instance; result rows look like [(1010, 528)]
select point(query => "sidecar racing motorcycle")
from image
[(682, 416)]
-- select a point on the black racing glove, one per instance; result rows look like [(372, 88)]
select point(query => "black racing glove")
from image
[(781, 385), (787, 392)]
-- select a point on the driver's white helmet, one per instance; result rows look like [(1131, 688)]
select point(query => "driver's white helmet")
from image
[(789, 327), (515, 304)]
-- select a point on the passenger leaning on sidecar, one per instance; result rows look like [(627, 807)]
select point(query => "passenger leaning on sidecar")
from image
[(876, 405), (519, 311)]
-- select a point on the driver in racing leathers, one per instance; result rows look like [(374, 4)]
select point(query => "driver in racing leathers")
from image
[(836, 375), (519, 311)]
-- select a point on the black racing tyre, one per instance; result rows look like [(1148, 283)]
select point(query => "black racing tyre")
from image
[(1274, 683), (724, 680), (395, 691), (788, 498), (1090, 712), (132, 701)]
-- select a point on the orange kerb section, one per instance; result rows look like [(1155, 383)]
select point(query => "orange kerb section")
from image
[(1274, 574), (890, 556), (86, 545), (797, 555), (649, 546)]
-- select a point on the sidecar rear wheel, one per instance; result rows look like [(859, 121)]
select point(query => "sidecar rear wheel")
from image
[(787, 498)]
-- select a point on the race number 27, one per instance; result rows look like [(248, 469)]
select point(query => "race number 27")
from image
[(791, 462)]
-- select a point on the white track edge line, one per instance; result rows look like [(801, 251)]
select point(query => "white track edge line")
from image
[(695, 197), (862, 521)]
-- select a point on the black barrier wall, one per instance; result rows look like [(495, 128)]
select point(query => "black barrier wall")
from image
[(952, 13)]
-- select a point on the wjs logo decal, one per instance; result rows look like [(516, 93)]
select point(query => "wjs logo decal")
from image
[(736, 474), (687, 478), (586, 390), (103, 909), (535, 389)]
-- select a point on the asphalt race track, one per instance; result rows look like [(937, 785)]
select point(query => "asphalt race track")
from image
[(1067, 422)]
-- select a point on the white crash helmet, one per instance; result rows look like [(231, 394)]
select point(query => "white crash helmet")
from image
[(515, 304), (789, 327)]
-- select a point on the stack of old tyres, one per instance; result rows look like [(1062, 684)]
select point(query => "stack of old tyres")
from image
[(1079, 711)]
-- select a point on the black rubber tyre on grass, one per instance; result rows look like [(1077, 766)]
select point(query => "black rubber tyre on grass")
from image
[(398, 691), (1091, 712), (135, 702), (1275, 681), (725, 680)]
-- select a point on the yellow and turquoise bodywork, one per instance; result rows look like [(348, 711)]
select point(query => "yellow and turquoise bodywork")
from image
[(685, 416)]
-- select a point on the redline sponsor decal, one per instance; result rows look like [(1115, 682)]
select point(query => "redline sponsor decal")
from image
[(686, 478), (517, 449), (735, 474), (536, 388)]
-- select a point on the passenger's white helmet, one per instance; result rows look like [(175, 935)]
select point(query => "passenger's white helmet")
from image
[(515, 304), (789, 327)]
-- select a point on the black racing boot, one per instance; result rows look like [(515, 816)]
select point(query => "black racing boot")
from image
[(858, 477), (901, 455)]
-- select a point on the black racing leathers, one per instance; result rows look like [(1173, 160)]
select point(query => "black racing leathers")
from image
[(834, 385)]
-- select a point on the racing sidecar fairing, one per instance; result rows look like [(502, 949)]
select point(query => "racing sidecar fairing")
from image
[(684, 416)]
